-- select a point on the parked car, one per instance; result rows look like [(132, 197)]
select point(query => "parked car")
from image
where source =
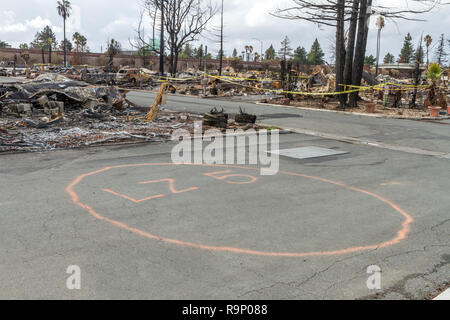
[(134, 75)]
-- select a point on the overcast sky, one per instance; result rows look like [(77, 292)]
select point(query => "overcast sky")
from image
[(245, 20)]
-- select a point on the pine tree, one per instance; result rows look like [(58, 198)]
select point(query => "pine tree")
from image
[(388, 58), (235, 54), (219, 54), (419, 54), (187, 52), (270, 53), (315, 55), (285, 52), (441, 55), (3, 44), (300, 56), (370, 60), (199, 51), (407, 52)]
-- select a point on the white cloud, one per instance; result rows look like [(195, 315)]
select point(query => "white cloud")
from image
[(74, 21), (99, 20), (8, 23), (118, 25)]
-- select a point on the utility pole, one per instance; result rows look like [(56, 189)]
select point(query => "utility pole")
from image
[(204, 81), (161, 42), (221, 43), (206, 58)]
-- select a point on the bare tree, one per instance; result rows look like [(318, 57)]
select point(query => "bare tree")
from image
[(184, 21), (142, 43), (356, 15), (418, 58)]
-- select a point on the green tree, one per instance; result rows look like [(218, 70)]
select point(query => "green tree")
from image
[(114, 48), (67, 45), (370, 60), (407, 52), (270, 53), (187, 51), (316, 55), (23, 46), (300, 56), (199, 52), (46, 41), (419, 54), (3, 44), (219, 54), (388, 58), (441, 55), (235, 54), (80, 42), (64, 7), (285, 52)]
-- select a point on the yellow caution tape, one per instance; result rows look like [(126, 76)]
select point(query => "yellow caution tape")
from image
[(295, 92)]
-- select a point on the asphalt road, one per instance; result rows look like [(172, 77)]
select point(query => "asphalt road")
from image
[(426, 135), (141, 228)]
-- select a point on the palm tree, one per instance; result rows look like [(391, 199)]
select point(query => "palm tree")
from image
[(380, 25), (80, 45), (434, 72), (428, 40), (64, 7)]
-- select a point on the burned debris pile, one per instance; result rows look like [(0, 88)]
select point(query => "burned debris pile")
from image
[(54, 112), (244, 118), (220, 119), (215, 118)]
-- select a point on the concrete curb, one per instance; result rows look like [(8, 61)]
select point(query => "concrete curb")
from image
[(356, 113), (381, 145)]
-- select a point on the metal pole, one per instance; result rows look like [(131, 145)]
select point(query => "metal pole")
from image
[(206, 57), (378, 51), (221, 44), (161, 42)]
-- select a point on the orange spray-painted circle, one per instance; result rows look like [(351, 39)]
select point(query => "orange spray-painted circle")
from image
[(401, 234)]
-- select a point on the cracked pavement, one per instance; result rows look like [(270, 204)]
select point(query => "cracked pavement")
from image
[(43, 231)]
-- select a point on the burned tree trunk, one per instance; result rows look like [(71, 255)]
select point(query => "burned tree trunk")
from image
[(350, 52), (50, 54), (360, 50), (340, 50), (43, 55)]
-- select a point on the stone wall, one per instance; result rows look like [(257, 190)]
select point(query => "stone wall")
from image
[(100, 60)]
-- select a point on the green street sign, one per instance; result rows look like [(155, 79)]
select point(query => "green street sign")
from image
[(154, 44)]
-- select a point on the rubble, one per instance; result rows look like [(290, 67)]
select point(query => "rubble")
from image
[(245, 118), (215, 118), (81, 128), (56, 112)]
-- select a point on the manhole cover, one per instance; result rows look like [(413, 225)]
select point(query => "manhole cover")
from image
[(308, 152)]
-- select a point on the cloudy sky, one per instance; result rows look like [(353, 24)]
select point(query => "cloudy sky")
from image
[(245, 21)]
